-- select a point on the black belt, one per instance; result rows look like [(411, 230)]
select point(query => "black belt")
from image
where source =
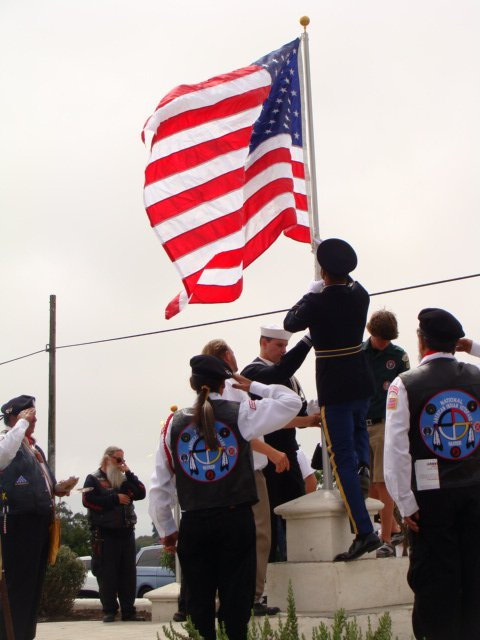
[(371, 422), (337, 353)]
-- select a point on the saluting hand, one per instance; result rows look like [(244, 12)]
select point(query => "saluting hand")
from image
[(242, 383), (464, 344), (27, 414)]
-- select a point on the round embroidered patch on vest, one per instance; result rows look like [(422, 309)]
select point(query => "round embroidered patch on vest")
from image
[(450, 424), (201, 463)]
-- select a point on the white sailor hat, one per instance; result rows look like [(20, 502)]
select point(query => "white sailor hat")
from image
[(274, 331)]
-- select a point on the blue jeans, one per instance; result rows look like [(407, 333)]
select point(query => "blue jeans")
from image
[(347, 439)]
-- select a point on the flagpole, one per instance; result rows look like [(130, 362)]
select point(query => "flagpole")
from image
[(311, 184), (311, 178)]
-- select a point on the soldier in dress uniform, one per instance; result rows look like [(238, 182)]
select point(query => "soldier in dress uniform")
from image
[(205, 451), (335, 311), (432, 471)]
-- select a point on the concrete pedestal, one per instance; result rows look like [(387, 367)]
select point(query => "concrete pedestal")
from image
[(318, 529), (164, 602), (321, 588)]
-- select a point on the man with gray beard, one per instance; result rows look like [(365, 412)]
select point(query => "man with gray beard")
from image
[(113, 488)]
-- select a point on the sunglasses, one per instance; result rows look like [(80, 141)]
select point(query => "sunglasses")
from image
[(119, 460)]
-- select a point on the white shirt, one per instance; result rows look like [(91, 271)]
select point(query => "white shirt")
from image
[(260, 460), (305, 468), (278, 406), (475, 350), (397, 460), (11, 442)]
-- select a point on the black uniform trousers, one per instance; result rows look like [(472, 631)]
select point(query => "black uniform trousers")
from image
[(216, 548), (115, 568), (282, 487), (24, 554), (444, 571)]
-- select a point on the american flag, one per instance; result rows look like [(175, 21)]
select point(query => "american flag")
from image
[(226, 174)]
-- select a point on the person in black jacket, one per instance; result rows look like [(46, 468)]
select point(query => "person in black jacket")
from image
[(432, 471), (27, 490), (112, 519), (276, 365), (335, 312)]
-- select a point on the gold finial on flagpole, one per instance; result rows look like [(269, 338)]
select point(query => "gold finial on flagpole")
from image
[(173, 408), (305, 21)]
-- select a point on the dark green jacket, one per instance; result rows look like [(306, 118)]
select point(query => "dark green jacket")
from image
[(386, 365)]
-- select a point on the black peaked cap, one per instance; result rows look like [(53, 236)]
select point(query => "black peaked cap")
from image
[(15, 405), (210, 367), (440, 324), (336, 256)]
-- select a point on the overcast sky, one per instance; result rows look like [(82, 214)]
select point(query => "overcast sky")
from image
[(396, 96)]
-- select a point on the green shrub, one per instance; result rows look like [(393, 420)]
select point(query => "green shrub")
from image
[(344, 629), (167, 560), (62, 583), (341, 629)]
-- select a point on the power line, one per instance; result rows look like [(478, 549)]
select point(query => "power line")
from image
[(25, 356), (236, 319), (425, 284)]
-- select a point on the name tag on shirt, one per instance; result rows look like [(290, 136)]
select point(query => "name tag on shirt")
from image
[(426, 474)]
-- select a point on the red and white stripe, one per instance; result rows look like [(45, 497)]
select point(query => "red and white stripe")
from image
[(214, 207)]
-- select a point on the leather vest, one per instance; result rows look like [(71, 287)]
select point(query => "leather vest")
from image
[(444, 402), (120, 517), (23, 487), (207, 479)]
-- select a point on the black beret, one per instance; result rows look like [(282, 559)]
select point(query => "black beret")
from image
[(210, 367), (440, 324), (336, 256), (14, 406)]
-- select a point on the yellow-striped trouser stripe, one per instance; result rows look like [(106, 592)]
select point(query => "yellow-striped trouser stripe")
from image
[(335, 470)]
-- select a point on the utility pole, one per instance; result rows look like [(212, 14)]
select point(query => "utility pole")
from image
[(52, 393)]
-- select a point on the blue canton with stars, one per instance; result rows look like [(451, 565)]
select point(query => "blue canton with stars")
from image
[(281, 111)]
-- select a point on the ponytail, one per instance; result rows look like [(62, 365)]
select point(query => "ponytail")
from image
[(203, 415)]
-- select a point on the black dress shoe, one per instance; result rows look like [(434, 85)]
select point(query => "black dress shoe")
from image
[(358, 547), (261, 609), (109, 617), (133, 618), (179, 616)]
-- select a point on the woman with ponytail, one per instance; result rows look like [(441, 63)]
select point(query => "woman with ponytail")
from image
[(204, 454)]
